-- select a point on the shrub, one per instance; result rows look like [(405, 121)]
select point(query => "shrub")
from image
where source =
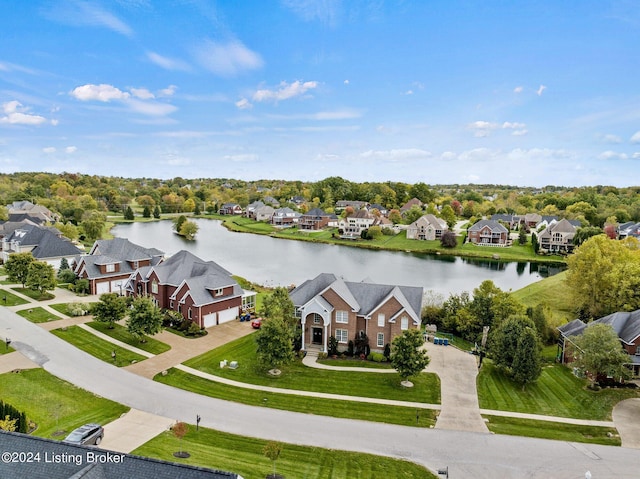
[(322, 355), (448, 239), (387, 351), (378, 357), (350, 348), (78, 309)]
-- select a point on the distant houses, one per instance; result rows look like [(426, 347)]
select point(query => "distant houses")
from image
[(427, 227), (44, 243), (488, 233)]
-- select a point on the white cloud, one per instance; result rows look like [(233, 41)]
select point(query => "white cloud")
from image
[(169, 91), (325, 11), (244, 104), (241, 158), (16, 114), (227, 59), (409, 92), (518, 89), (612, 155), (49, 149), (285, 91), (168, 63), (521, 132), (71, 149), (448, 156), (614, 139), (84, 13), (396, 155), (513, 125), (541, 88), (635, 138), (636, 155), (142, 93), (482, 128), (103, 92), (346, 82)]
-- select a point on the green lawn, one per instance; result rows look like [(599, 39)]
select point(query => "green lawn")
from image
[(38, 315), (97, 347), (552, 430), (9, 299), (243, 455), (405, 416), (553, 292), (354, 363), (297, 376), (5, 350), (120, 333), (556, 393), (63, 308), (34, 294), (55, 405)]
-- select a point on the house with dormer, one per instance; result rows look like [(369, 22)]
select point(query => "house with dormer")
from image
[(45, 244), (352, 226), (26, 210), (427, 227), (201, 291), (329, 306), (110, 263), (230, 209)]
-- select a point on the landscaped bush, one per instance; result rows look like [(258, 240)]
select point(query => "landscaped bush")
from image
[(78, 309), (378, 357), (7, 410)]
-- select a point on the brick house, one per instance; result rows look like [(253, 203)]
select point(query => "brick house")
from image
[(329, 306), (230, 209), (488, 233), (314, 219), (625, 324), (284, 217), (201, 291), (110, 263)]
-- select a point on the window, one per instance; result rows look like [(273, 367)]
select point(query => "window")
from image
[(380, 340), (342, 317), (189, 314), (317, 319), (380, 320), (298, 312), (180, 308), (637, 350), (171, 304), (111, 268), (342, 335), (404, 323), (218, 292), (154, 287)]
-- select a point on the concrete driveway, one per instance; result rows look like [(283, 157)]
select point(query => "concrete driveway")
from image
[(132, 430), (626, 416)]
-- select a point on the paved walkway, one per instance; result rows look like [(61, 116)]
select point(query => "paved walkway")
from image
[(132, 430), (457, 370)]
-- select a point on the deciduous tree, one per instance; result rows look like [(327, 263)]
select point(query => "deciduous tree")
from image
[(406, 356), (275, 343), (144, 318), (41, 277), (17, 267), (189, 229), (110, 309)]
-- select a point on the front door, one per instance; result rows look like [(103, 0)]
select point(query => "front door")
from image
[(317, 336)]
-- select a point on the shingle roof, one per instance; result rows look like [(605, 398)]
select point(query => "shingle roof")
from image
[(367, 295), (130, 466), (183, 265), (125, 250), (625, 324), (47, 242), (491, 224)]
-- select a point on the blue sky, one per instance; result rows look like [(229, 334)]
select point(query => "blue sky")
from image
[(521, 93)]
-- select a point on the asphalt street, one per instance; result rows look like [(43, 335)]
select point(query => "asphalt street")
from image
[(467, 454)]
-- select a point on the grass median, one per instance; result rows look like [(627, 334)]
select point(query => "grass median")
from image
[(244, 456), (406, 416), (99, 348), (38, 315), (120, 333), (300, 377), (56, 406)]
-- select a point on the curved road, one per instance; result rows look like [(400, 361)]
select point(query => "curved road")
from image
[(467, 454)]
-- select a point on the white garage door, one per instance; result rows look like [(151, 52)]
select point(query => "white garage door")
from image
[(102, 287), (209, 320), (227, 315)]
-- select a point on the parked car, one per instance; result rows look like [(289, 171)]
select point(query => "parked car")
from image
[(256, 323), (87, 434)]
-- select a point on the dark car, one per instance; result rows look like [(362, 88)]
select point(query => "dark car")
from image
[(87, 434)]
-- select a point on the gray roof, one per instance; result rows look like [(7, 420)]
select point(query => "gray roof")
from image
[(200, 288), (125, 250), (491, 224), (367, 295), (625, 324), (183, 265), (129, 466), (316, 212), (48, 242)]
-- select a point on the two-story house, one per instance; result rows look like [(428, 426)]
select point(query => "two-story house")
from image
[(230, 209), (44, 243), (488, 233), (110, 263), (314, 219), (557, 237), (427, 227), (201, 291), (352, 226), (329, 306), (284, 217)]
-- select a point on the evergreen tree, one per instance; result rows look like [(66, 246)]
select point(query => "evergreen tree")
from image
[(526, 362), (156, 212), (128, 214), (146, 212)]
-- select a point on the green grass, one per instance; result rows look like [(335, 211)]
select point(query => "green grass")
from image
[(35, 294), (553, 430), (405, 416), (38, 315), (9, 299), (55, 405), (556, 393), (354, 363), (63, 308), (120, 333), (243, 455), (297, 376), (554, 293), (5, 350), (97, 347)]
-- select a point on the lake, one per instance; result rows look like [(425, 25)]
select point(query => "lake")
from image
[(279, 262)]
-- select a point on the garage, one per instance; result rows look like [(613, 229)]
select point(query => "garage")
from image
[(102, 287), (209, 320), (228, 315)]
